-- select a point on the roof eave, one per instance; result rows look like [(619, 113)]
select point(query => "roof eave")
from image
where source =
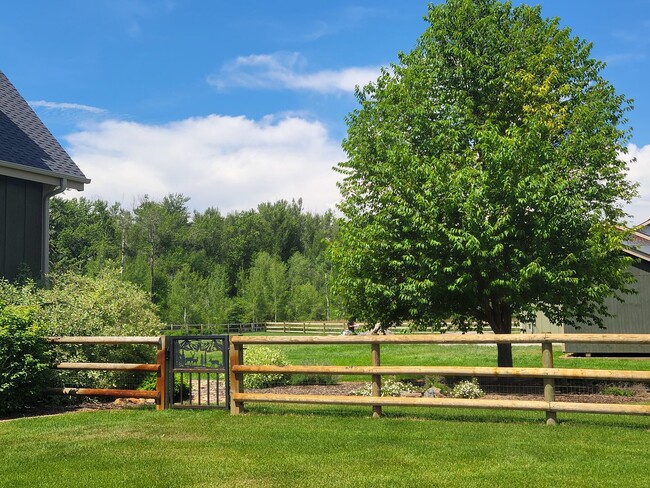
[(41, 176), (636, 253)]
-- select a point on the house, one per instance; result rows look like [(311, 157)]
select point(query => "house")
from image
[(33, 168), (632, 316)]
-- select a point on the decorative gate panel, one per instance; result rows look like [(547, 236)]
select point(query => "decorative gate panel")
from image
[(199, 371)]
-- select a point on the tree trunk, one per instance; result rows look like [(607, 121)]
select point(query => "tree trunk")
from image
[(501, 323), (504, 355)]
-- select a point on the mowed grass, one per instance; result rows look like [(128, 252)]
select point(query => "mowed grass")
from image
[(296, 446), (446, 355)]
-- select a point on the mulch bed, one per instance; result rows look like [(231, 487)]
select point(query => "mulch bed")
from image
[(642, 395)]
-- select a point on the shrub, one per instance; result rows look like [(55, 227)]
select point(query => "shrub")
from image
[(269, 356), (102, 305), (150, 383), (618, 390), (24, 358), (438, 382), (389, 387), (467, 389)]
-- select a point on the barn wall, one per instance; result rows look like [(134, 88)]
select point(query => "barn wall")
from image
[(21, 224), (630, 317)]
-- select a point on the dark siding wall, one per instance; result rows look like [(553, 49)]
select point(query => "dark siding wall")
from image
[(21, 224)]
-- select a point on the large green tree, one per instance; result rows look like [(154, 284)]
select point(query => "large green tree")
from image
[(484, 176)]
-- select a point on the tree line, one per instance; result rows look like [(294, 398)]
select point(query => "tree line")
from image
[(263, 264)]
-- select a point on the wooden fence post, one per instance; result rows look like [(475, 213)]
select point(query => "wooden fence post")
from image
[(236, 357), (161, 380), (549, 383), (376, 378)]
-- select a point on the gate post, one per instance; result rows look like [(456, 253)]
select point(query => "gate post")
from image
[(161, 377), (236, 379)]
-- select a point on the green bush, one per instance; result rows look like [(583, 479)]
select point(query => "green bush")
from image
[(24, 358), (150, 383), (103, 305), (267, 356)]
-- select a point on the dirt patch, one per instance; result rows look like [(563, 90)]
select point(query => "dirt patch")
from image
[(345, 388)]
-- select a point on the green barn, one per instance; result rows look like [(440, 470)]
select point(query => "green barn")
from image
[(33, 168), (632, 316)]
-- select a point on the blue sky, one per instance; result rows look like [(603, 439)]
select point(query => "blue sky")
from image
[(236, 103)]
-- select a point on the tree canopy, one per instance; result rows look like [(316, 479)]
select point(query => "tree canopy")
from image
[(484, 176)]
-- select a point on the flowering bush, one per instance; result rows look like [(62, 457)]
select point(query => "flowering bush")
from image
[(389, 387), (267, 356), (467, 389)]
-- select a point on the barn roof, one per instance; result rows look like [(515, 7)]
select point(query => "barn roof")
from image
[(638, 246), (27, 148)]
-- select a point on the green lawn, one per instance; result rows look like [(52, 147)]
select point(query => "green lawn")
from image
[(445, 355), (324, 447)]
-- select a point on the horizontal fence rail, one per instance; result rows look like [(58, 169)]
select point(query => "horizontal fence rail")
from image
[(547, 373), (108, 366), (158, 368), (105, 340), (587, 374), (448, 339)]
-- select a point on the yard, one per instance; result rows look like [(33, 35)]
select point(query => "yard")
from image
[(327, 446), (294, 445)]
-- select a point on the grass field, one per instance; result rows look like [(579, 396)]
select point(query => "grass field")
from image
[(328, 446), (325, 447), (445, 355)]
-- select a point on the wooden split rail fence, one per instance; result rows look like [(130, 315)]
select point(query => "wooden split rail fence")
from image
[(158, 368), (547, 372), (237, 369)]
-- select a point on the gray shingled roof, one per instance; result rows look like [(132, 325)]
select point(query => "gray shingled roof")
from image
[(26, 143), (638, 245)]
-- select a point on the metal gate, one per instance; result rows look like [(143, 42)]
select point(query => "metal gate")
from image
[(198, 371)]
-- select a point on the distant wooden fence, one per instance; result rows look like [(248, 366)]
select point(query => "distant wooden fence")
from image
[(324, 328), (547, 372), (158, 368), (217, 328), (314, 327)]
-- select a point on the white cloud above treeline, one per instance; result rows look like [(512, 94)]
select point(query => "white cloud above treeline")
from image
[(639, 172), (287, 71), (236, 163), (231, 163)]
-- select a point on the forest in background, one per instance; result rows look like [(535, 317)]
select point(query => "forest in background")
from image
[(263, 264)]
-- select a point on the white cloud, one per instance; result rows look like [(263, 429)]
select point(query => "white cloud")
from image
[(286, 71), (625, 58), (66, 106), (232, 163), (639, 172)]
